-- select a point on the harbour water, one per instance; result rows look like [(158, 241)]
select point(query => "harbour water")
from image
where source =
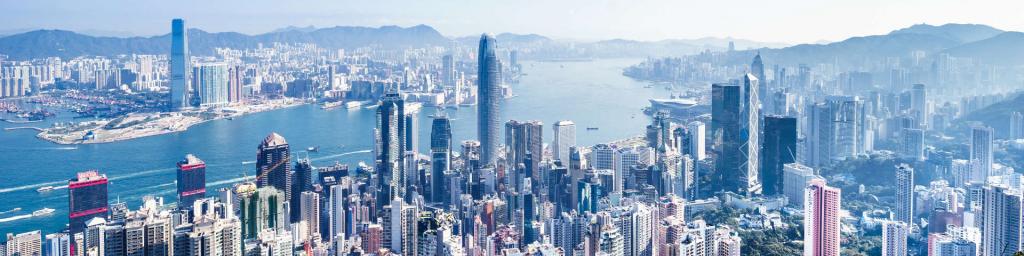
[(591, 93)]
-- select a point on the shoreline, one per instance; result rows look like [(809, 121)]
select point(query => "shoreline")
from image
[(141, 125)]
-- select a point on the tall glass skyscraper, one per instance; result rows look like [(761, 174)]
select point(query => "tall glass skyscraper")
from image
[(777, 149), (390, 147), (735, 127), (489, 98), (179, 65), (441, 158)]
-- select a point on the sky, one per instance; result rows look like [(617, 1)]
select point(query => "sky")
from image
[(782, 21)]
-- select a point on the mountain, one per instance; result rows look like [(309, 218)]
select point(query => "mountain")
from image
[(1006, 48), (962, 33), (67, 44), (859, 50), (996, 115)]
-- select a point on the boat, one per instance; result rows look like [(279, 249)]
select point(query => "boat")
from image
[(330, 105), (44, 189), (356, 104), (42, 212), (313, 149), (592, 128)]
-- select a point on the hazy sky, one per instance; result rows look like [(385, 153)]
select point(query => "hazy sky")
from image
[(790, 21)]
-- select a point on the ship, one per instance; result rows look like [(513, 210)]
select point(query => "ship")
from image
[(592, 128), (44, 189), (42, 212), (313, 149), (356, 104), (330, 105)]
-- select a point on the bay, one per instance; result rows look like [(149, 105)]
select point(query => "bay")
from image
[(592, 94)]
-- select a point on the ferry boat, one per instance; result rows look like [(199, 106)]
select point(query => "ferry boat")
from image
[(313, 149), (592, 128), (44, 189), (42, 212), (330, 105)]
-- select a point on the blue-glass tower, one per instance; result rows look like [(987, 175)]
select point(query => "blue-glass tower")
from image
[(489, 98)]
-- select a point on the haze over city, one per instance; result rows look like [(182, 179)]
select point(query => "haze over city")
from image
[(511, 128), (786, 21)]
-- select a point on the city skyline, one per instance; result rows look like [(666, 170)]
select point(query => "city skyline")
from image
[(767, 22), (650, 149)]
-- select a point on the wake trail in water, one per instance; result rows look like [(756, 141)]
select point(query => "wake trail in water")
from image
[(32, 186), (19, 217), (342, 154)]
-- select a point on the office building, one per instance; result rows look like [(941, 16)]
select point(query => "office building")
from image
[(390, 147), (273, 164), (904, 211), (696, 136), (821, 219), (981, 153), (489, 99), (735, 127), (191, 181), (525, 141), (87, 199), (179, 67), (440, 159), (564, 133), (777, 150)]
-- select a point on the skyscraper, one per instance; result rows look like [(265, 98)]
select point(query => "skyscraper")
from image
[(302, 181), (87, 199), (179, 65), (310, 213), (210, 82), (1000, 221), (1016, 126), (441, 158), (489, 98), (191, 181), (904, 194), (912, 144), (734, 121), (523, 139), (757, 69), (24, 244), (821, 219), (273, 164), (918, 104), (778, 149), (390, 147), (795, 179), (696, 134), (981, 153), (894, 238), (565, 137)]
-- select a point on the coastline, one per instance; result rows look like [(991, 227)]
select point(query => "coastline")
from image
[(140, 125)]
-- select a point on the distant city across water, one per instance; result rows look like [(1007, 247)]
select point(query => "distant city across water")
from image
[(591, 93)]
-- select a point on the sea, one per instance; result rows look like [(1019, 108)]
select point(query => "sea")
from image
[(590, 93)]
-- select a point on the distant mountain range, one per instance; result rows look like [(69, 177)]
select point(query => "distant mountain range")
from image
[(65, 44), (980, 42)]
